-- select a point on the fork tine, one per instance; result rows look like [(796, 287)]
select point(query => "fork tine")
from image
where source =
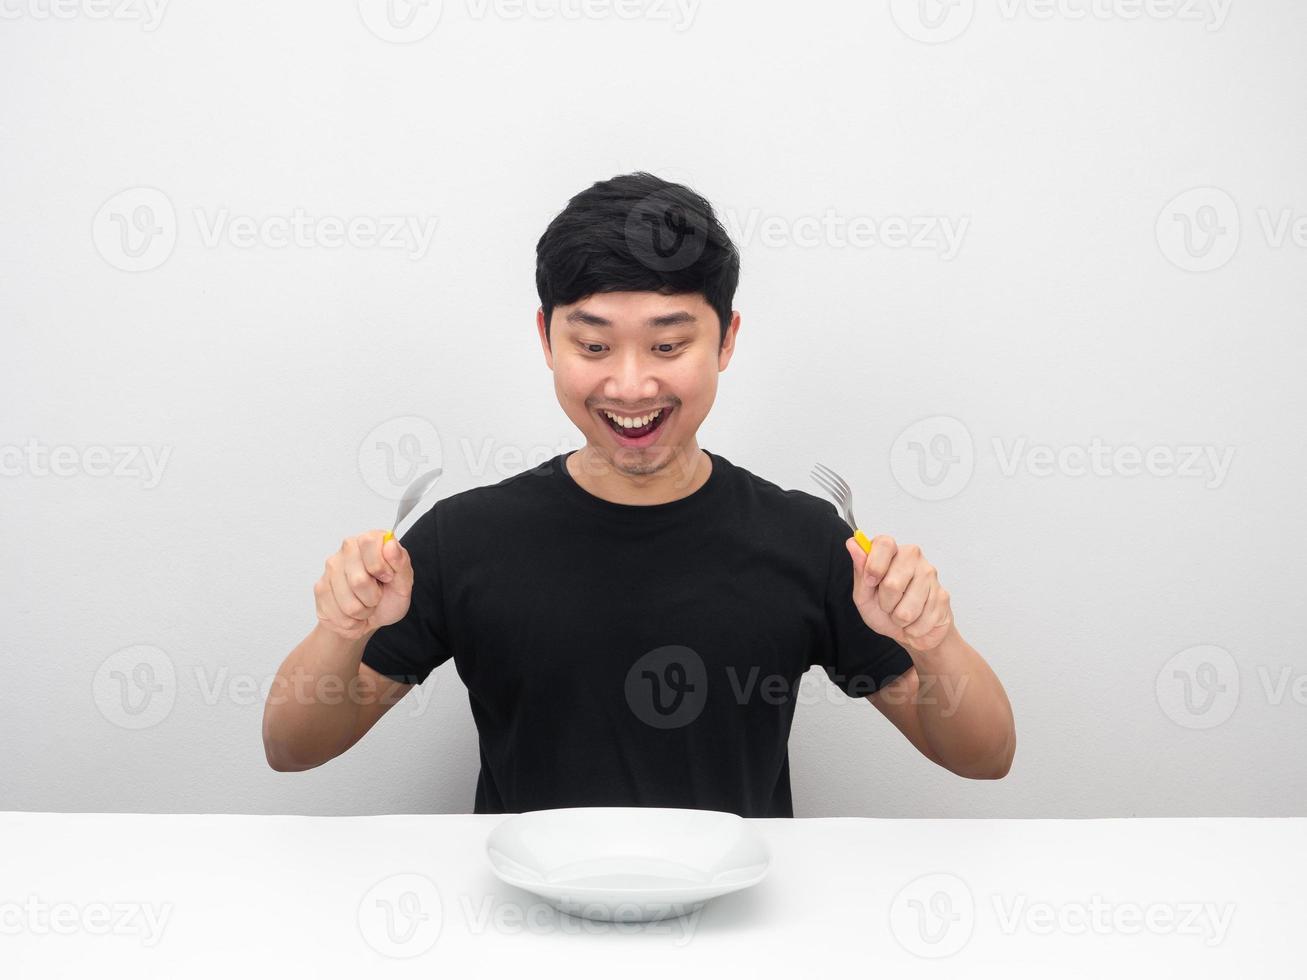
[(828, 473), (843, 495), (839, 480), (822, 481), (842, 501)]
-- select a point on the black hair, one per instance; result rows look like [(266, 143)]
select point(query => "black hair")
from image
[(637, 233)]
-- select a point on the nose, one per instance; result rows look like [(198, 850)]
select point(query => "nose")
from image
[(632, 381)]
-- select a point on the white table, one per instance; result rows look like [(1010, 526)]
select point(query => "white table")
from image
[(143, 895)]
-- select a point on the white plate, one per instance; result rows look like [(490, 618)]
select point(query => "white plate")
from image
[(627, 863)]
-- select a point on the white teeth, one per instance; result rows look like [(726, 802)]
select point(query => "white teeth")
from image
[(633, 423)]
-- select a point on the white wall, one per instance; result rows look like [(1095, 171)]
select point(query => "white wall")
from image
[(1070, 312)]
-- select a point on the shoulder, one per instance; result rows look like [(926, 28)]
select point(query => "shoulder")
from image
[(793, 507), (494, 501)]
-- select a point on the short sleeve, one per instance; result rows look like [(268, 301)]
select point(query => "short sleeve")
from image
[(410, 649), (857, 659)]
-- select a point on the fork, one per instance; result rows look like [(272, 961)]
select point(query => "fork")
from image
[(835, 485), (411, 497)]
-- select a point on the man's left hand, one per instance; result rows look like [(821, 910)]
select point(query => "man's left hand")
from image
[(898, 593)]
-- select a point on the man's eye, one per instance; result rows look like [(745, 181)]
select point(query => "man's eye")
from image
[(589, 348)]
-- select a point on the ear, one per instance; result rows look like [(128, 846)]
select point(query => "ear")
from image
[(728, 341), (544, 339)]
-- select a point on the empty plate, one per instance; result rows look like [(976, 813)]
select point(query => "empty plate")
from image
[(627, 863)]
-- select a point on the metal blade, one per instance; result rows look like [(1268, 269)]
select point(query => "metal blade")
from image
[(414, 493)]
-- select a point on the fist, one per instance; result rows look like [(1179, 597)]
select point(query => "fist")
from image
[(898, 593), (364, 586)]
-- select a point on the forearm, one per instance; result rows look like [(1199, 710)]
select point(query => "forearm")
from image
[(964, 712), (313, 707)]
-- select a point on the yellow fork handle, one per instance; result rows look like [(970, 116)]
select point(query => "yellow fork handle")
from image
[(864, 542)]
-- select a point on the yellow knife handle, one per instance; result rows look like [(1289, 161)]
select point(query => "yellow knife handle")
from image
[(389, 535), (864, 542)]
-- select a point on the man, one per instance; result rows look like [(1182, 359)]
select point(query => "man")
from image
[(632, 619)]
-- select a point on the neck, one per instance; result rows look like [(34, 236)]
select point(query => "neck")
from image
[(640, 478)]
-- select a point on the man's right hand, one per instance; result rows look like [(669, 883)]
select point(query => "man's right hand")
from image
[(364, 586)]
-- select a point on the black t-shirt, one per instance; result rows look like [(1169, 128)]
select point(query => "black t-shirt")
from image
[(634, 655)]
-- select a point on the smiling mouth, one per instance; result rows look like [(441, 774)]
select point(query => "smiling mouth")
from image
[(637, 435)]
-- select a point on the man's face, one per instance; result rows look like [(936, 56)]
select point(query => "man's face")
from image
[(633, 352)]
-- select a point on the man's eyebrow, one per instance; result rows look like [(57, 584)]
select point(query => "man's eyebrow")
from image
[(666, 320)]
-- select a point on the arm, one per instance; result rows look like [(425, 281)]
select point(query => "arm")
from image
[(953, 708), (323, 700), (950, 705)]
